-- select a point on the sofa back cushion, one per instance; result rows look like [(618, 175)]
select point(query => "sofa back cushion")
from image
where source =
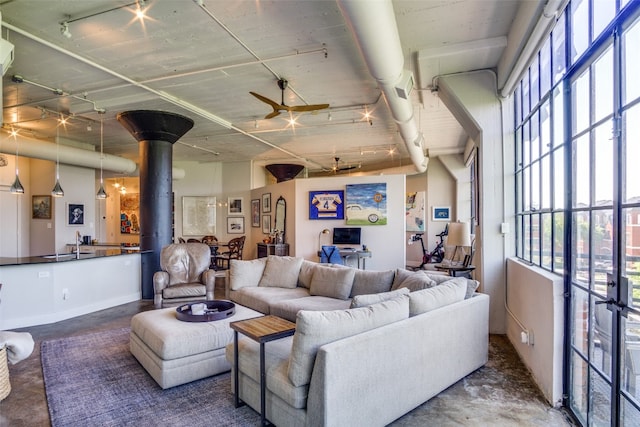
[(472, 285), (449, 292), (371, 282), (367, 300), (306, 273), (317, 328), (243, 274), (332, 282), (281, 272)]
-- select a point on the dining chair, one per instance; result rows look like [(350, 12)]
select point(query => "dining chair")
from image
[(235, 252)]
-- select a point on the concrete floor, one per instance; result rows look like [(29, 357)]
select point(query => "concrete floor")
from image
[(501, 393)]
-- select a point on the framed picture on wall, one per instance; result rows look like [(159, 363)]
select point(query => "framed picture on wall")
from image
[(441, 213), (266, 203), (235, 225), (255, 213), (235, 206), (41, 207), (75, 214), (266, 224), (326, 204)]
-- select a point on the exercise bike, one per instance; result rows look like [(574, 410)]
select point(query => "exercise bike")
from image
[(437, 254)]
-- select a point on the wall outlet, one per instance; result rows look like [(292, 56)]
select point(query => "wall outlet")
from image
[(43, 274), (65, 294), (524, 337)]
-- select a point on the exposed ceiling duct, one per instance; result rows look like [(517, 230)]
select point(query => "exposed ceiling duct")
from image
[(37, 149), (374, 27)]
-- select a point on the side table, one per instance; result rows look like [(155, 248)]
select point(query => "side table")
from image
[(454, 269), (262, 330)]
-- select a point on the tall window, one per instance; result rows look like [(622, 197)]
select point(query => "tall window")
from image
[(540, 155)]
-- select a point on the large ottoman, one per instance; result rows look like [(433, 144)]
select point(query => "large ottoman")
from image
[(175, 352)]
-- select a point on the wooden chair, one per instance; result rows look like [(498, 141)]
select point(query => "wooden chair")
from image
[(235, 252), (181, 240), (193, 241), (210, 240)]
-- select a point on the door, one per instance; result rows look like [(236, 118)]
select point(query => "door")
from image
[(604, 356)]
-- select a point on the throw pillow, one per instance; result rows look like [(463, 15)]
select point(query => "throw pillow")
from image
[(281, 272), (317, 328), (417, 282), (332, 282), (306, 273), (244, 274), (435, 297), (367, 300), (371, 282), (400, 276), (472, 285)]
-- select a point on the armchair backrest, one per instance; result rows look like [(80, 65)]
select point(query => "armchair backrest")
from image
[(185, 262)]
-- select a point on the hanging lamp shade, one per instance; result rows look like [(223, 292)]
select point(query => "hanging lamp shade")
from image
[(101, 193), (16, 187), (57, 189)]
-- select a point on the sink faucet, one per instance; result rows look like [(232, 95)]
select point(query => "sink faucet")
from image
[(78, 240)]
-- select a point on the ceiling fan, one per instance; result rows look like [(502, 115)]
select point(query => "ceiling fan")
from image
[(282, 84), (337, 168)]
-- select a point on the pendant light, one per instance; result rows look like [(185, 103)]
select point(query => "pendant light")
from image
[(16, 187), (101, 193), (57, 189)]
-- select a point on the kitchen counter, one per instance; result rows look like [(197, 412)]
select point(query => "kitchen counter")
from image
[(64, 257)]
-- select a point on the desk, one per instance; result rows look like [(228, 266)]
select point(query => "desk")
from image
[(260, 329), (454, 269), (362, 255)]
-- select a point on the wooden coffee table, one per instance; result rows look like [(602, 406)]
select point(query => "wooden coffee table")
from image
[(261, 330)]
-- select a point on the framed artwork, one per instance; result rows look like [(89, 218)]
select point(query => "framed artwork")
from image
[(75, 214), (266, 224), (198, 215), (235, 206), (441, 213), (255, 213), (235, 224), (266, 203), (326, 204), (41, 207), (130, 213), (415, 211), (366, 204)]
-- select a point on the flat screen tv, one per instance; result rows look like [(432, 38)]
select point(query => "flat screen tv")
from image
[(346, 236)]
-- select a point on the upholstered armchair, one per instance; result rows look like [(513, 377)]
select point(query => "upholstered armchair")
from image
[(185, 275)]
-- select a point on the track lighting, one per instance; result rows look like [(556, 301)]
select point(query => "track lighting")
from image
[(64, 29)]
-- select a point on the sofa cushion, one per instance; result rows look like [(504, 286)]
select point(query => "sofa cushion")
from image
[(400, 275), (367, 300), (332, 282), (472, 285), (288, 309), (281, 272), (449, 292), (371, 282), (245, 273), (317, 328), (306, 273), (417, 282), (260, 298), (184, 290)]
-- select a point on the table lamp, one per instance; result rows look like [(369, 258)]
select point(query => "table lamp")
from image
[(459, 235), (320, 235)]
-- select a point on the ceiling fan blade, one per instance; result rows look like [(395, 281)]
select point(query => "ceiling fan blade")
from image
[(266, 100), (272, 115), (308, 107)]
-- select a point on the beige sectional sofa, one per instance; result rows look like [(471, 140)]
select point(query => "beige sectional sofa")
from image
[(364, 352)]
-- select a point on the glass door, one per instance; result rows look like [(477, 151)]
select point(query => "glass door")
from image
[(604, 377)]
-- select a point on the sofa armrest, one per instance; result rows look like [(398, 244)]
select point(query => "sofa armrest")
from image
[(208, 279), (160, 281)]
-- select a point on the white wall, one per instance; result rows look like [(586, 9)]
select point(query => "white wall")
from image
[(535, 298), (15, 210)]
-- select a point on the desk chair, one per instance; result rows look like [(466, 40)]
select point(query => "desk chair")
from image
[(330, 255)]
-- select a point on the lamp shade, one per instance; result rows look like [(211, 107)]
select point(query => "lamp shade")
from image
[(284, 171), (459, 234)]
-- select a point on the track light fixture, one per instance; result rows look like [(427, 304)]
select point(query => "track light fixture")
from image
[(64, 29)]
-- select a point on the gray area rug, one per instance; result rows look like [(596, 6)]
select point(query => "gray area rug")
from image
[(93, 380)]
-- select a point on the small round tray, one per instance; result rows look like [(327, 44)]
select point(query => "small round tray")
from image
[(216, 310)]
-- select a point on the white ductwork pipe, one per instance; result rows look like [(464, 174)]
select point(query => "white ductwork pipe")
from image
[(37, 149), (373, 24)]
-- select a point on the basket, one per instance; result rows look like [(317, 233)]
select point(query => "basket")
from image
[(5, 385)]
